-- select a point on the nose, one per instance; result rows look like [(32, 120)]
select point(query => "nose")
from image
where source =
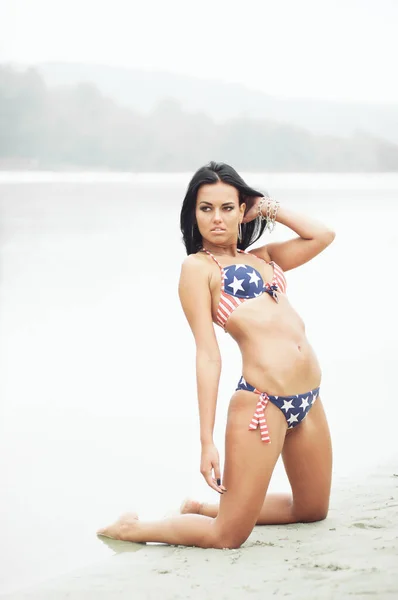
[(217, 216)]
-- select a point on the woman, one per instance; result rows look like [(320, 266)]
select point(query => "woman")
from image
[(276, 408)]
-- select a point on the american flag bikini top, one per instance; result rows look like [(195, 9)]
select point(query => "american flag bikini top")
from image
[(240, 282)]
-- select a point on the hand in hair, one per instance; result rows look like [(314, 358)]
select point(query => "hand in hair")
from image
[(251, 208)]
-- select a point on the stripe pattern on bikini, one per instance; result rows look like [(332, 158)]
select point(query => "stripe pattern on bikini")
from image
[(227, 304), (279, 277), (259, 420)]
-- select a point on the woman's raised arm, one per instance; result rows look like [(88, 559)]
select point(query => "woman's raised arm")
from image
[(313, 238)]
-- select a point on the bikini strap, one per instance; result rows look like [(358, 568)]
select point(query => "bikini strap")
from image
[(214, 258), (271, 262), (216, 261)]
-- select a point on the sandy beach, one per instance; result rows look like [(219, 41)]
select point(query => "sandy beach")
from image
[(77, 421), (353, 553)]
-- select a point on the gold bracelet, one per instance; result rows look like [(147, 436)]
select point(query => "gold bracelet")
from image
[(272, 211), (260, 208)]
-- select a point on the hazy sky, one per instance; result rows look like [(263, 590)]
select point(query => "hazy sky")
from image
[(340, 49)]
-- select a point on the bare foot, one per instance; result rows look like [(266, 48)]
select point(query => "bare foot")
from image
[(125, 528), (190, 507)]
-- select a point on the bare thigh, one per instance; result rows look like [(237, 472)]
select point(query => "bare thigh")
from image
[(249, 463), (307, 456)]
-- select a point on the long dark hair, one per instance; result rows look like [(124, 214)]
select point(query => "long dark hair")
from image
[(212, 173)]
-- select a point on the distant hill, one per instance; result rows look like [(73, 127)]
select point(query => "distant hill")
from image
[(79, 126), (142, 91)]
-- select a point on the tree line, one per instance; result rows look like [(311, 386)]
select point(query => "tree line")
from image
[(78, 127)]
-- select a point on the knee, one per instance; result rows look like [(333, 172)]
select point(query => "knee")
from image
[(311, 515), (230, 540)]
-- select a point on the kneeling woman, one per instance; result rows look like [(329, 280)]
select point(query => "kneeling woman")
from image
[(276, 408)]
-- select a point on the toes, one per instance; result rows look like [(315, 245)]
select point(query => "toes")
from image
[(104, 533), (118, 530), (111, 531)]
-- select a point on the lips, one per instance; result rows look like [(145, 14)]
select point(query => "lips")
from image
[(217, 229)]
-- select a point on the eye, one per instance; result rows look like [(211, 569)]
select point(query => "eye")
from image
[(229, 208), (205, 208)]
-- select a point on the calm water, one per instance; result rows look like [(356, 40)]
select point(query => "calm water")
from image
[(98, 400)]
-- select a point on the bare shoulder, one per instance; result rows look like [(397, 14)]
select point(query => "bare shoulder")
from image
[(195, 297), (195, 260), (194, 264), (195, 272)]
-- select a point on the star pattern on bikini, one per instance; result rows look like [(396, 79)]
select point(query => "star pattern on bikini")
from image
[(293, 419), (287, 404), (242, 381), (295, 408), (254, 278), (236, 285), (304, 403), (243, 281)]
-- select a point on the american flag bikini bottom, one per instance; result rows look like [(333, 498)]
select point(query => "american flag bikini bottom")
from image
[(294, 408)]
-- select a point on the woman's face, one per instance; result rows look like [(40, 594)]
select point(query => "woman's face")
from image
[(218, 213)]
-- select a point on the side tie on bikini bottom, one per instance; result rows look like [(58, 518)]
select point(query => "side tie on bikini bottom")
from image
[(294, 408), (259, 420)]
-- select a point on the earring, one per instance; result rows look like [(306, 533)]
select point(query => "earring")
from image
[(240, 232)]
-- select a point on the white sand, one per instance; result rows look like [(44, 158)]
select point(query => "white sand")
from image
[(354, 553)]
